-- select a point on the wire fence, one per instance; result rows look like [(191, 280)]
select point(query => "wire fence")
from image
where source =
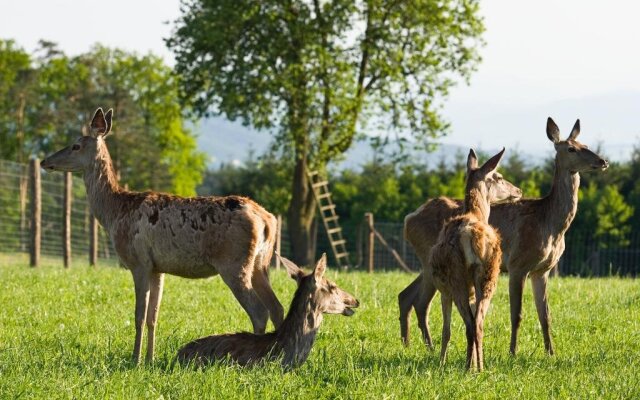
[(586, 254), (15, 221)]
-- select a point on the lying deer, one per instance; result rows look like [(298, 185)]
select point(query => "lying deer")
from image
[(532, 237), (467, 256), (157, 233), (292, 341)]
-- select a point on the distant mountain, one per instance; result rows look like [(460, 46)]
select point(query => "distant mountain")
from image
[(610, 120), (228, 142)]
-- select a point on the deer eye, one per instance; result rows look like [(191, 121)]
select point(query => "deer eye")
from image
[(75, 147), (571, 149)]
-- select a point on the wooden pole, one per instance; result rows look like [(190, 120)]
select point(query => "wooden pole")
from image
[(371, 240), (278, 240), (66, 221), (93, 240), (392, 250), (36, 212)]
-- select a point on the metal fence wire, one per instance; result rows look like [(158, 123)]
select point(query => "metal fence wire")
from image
[(15, 205), (585, 253)]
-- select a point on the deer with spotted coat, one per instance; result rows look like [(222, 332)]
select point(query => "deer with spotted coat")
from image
[(532, 237), (156, 234)]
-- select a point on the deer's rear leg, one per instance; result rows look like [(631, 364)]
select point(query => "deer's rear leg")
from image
[(240, 284), (516, 285), (141, 283), (462, 303), (539, 285), (155, 297), (422, 307), (406, 300), (447, 304), (262, 286)]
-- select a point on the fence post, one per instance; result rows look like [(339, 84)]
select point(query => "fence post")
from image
[(278, 240), (93, 240), (66, 222), (370, 242), (36, 212)]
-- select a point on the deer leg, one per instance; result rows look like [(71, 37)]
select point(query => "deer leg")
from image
[(406, 301), (516, 285), (240, 285), (260, 282), (141, 283), (447, 304), (155, 297), (481, 312), (462, 303), (422, 307), (539, 285)]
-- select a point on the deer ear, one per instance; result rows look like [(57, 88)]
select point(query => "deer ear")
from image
[(553, 132), (492, 163), (472, 160), (292, 269), (321, 267), (575, 131), (107, 117), (98, 123)]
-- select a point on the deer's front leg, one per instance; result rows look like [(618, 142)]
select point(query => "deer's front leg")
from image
[(141, 283), (155, 297), (539, 285), (516, 285)]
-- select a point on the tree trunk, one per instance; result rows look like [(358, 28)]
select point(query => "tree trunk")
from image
[(301, 213)]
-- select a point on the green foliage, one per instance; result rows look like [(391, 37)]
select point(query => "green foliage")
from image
[(57, 94), (310, 68), (69, 334), (266, 180), (613, 214)]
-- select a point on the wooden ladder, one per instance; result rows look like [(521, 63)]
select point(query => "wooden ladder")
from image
[(320, 188)]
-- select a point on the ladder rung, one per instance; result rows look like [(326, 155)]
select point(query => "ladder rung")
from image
[(331, 218), (342, 255), (327, 207), (319, 184), (339, 242), (324, 195), (334, 230), (312, 173)]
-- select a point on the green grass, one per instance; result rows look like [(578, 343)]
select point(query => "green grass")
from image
[(69, 334)]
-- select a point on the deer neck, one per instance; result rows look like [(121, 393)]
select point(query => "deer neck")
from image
[(296, 335), (563, 198), (476, 202), (102, 187)]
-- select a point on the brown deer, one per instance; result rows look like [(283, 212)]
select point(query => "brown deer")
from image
[(292, 341), (467, 256), (157, 233), (532, 237)]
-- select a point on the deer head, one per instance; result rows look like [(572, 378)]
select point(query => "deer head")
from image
[(489, 180), (325, 294), (572, 155), (81, 155)]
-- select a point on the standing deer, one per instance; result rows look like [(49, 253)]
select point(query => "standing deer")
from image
[(532, 237), (292, 341), (467, 256), (157, 233)]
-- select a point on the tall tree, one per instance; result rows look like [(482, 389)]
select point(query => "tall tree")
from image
[(319, 70)]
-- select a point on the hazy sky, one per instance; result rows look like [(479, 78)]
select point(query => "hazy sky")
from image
[(564, 58)]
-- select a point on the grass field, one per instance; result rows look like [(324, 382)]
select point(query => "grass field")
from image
[(69, 334)]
